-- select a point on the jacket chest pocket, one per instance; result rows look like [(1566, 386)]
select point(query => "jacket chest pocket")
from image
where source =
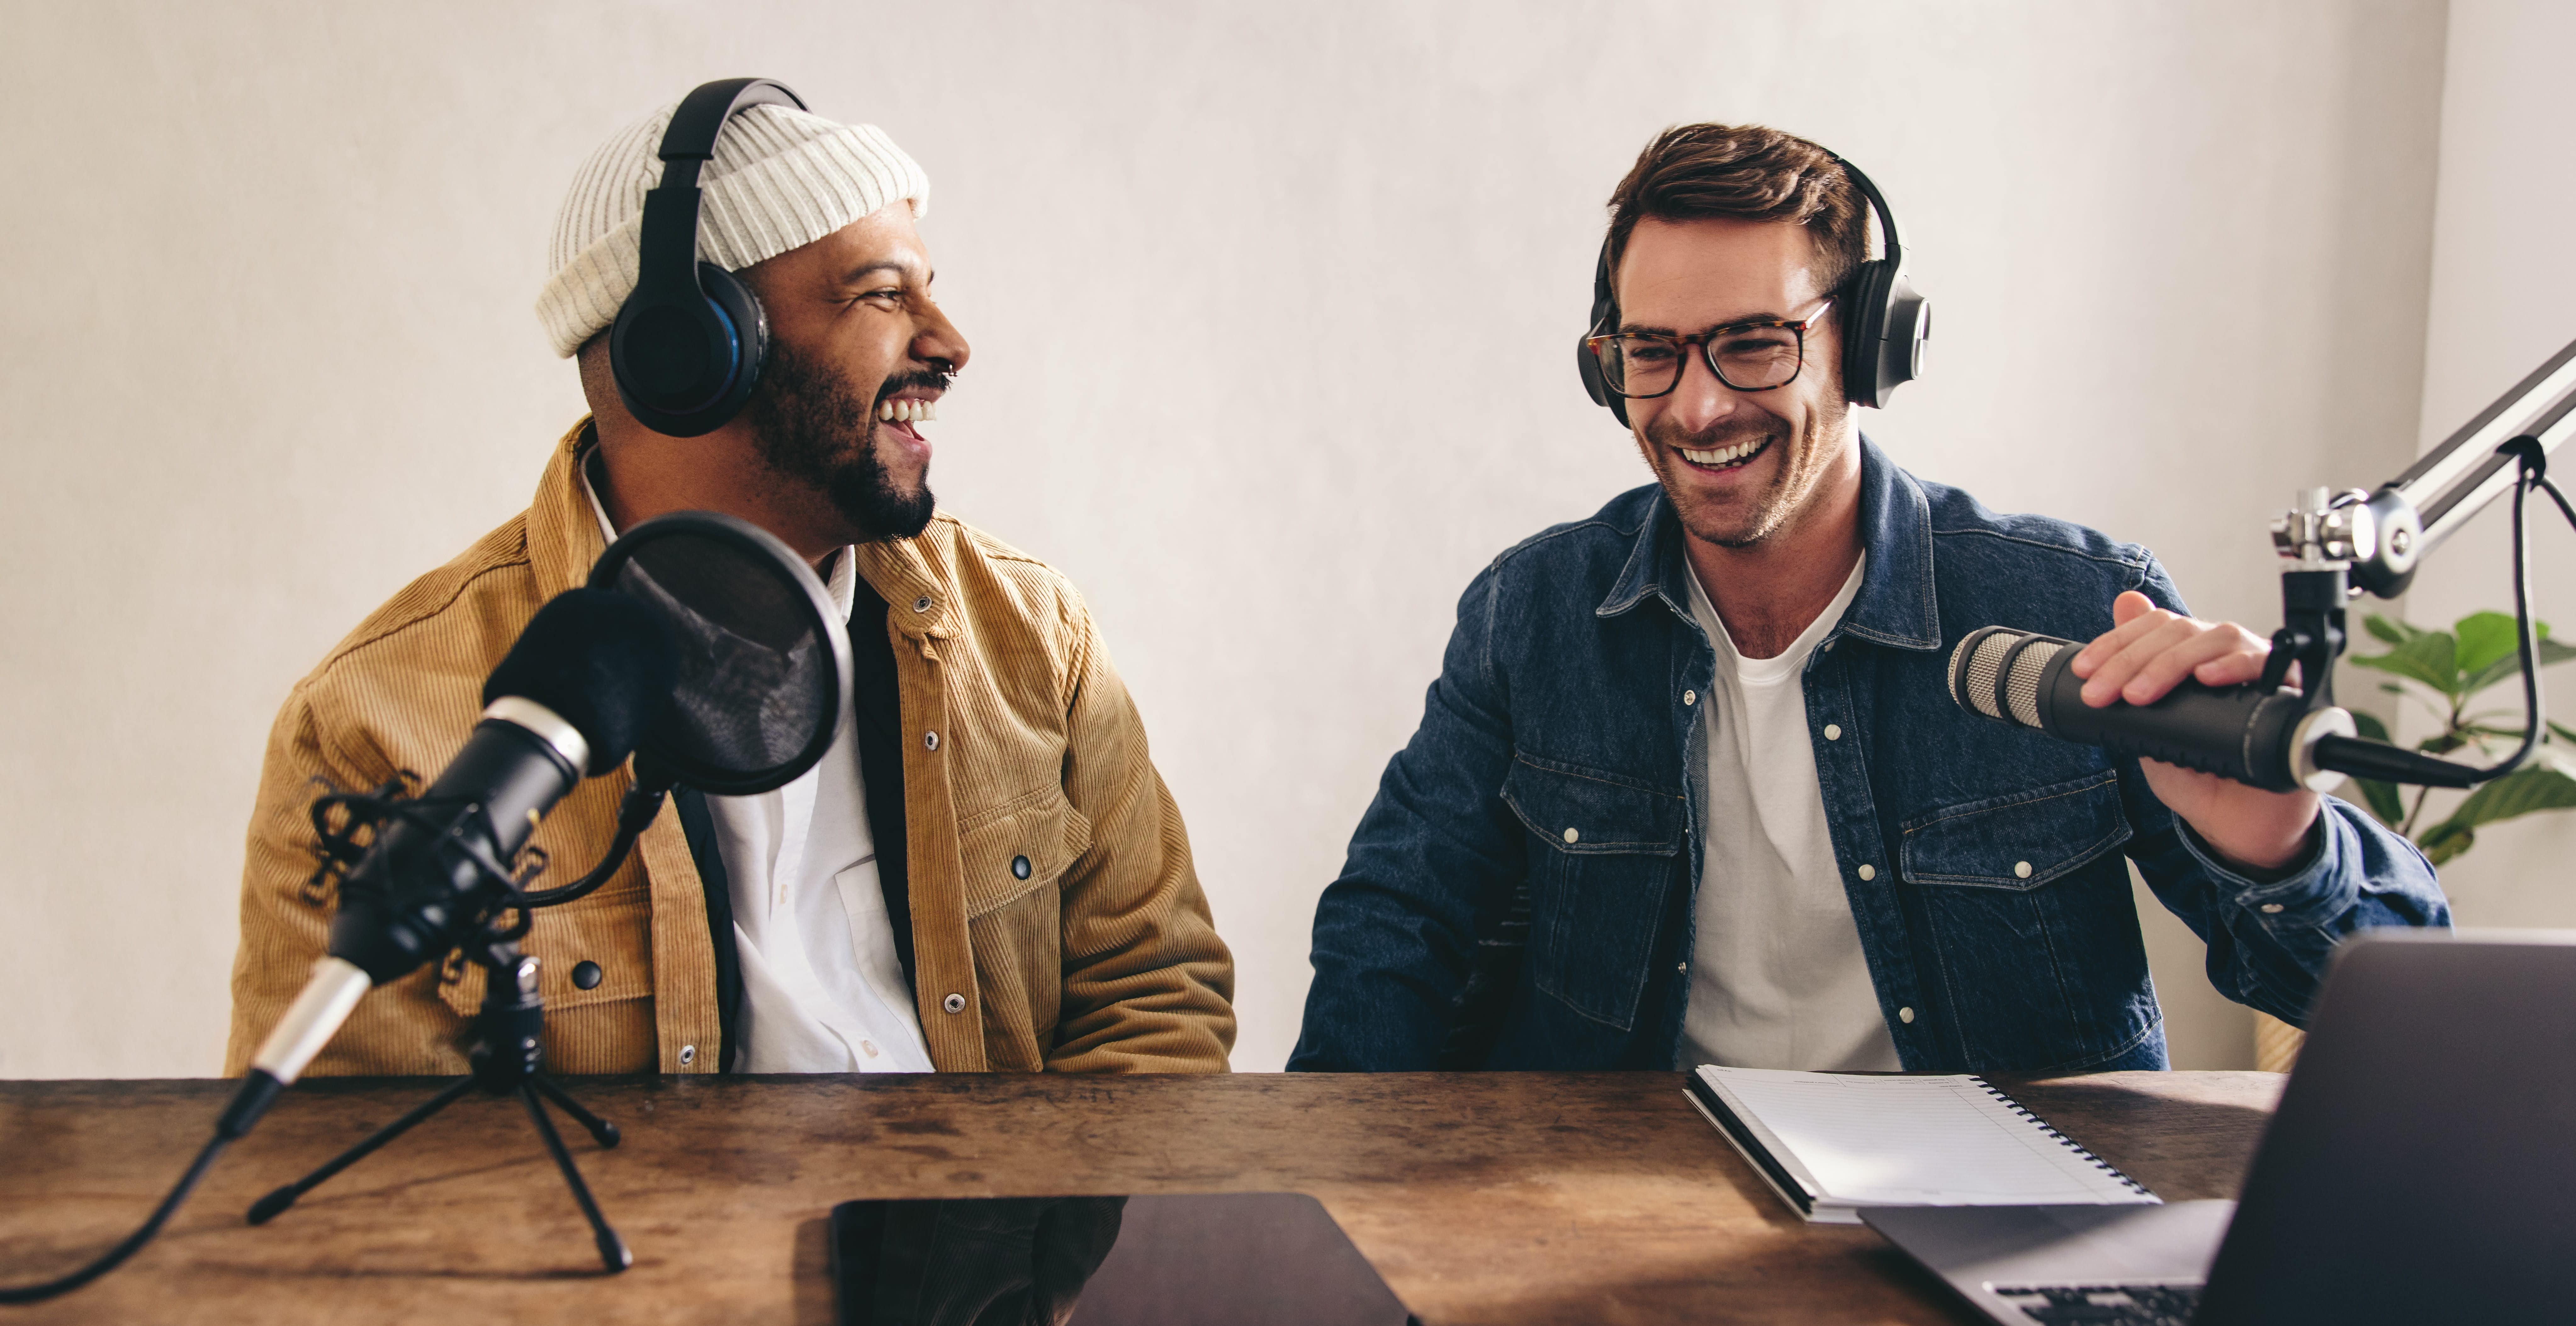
[(1601, 863), (1018, 847), (2019, 841), (1015, 856)]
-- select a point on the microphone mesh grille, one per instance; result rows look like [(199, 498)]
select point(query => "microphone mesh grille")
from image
[(2021, 690), (1977, 688), (1974, 684)]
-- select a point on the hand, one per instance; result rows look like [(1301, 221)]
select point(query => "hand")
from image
[(2148, 653)]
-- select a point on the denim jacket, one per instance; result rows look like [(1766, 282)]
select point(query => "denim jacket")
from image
[(1984, 864)]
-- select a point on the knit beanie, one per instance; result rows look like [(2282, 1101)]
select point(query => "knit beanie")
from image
[(780, 179)]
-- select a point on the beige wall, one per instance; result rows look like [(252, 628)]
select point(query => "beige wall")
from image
[(2503, 288), (269, 354)]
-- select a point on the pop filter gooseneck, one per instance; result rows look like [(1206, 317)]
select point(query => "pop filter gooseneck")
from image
[(764, 667)]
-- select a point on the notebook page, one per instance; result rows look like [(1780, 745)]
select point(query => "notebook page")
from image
[(1932, 1141)]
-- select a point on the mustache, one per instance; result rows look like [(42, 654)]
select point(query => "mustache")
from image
[(935, 378)]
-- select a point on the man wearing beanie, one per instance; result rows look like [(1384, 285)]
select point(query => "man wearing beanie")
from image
[(984, 873)]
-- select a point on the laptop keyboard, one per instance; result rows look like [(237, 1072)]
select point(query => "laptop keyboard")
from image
[(2104, 1305)]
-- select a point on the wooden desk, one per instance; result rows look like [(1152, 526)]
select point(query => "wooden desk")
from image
[(1504, 1197)]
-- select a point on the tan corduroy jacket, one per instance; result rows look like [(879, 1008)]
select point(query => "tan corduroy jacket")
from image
[(1102, 960)]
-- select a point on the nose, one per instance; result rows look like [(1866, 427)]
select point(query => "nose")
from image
[(1699, 400), (936, 339)]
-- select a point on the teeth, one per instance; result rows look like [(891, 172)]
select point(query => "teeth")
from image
[(1722, 456), (885, 411), (907, 412)]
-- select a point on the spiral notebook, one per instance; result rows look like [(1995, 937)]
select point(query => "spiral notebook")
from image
[(1832, 1143)]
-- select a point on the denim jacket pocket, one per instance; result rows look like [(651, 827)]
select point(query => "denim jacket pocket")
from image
[(1603, 852), (2019, 841)]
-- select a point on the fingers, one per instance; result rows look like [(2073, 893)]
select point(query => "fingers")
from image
[(2135, 615), (2151, 650)]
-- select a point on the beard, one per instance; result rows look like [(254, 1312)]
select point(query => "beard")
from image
[(813, 426), (1803, 460)]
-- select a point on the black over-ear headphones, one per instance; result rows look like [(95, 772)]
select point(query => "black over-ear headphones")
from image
[(688, 344), (1884, 322)]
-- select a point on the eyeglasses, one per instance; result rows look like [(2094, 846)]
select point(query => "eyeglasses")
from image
[(1756, 355)]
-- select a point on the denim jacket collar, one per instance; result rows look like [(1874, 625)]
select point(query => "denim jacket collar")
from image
[(1895, 606)]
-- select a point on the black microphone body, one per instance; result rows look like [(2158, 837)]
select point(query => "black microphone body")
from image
[(2247, 733), (402, 904)]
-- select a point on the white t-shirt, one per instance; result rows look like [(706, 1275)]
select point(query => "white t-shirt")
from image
[(1777, 979), (822, 987)]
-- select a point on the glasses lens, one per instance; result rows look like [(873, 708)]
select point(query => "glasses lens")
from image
[(1640, 365), (1752, 358)]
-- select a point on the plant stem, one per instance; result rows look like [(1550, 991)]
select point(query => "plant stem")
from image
[(2407, 829)]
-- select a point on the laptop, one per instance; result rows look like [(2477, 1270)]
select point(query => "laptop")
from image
[(2421, 1168)]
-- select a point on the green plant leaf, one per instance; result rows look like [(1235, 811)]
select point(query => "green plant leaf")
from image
[(2382, 798), (2539, 785), (2511, 664), (2428, 658), (2484, 637), (2561, 730), (2446, 840), (2389, 629)]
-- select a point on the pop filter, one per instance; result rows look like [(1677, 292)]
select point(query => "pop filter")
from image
[(764, 668), (764, 656)]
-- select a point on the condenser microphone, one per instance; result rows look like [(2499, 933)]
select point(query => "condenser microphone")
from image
[(2258, 736), (591, 672)]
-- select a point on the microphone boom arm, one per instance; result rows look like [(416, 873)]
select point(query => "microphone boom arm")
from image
[(2337, 546)]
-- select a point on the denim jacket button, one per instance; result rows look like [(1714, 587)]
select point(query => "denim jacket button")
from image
[(1868, 872), (1905, 1015), (1690, 697), (2271, 909), (2021, 870), (1833, 732), (1572, 836)]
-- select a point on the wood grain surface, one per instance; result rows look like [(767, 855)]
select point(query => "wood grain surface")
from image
[(1500, 1197)]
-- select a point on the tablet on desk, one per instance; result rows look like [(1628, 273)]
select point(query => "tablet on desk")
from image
[(1244, 1259)]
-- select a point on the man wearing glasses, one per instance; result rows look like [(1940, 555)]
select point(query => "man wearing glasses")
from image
[(1691, 788)]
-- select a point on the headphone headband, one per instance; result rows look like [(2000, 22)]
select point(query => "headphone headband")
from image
[(688, 344), (1891, 243), (1884, 321)]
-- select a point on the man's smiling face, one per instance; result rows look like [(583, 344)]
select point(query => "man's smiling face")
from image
[(859, 357), (1737, 465)]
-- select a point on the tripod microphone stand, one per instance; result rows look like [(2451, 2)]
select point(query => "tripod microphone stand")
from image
[(505, 1050)]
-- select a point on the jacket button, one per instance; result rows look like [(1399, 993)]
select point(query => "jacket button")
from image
[(921, 604), (586, 974), (1571, 836), (954, 1003), (1690, 697), (1868, 872), (688, 1055), (930, 741), (1019, 867), (1833, 732), (2021, 870), (2271, 909), (1905, 1015)]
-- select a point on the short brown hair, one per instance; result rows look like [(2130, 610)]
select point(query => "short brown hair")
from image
[(1693, 172)]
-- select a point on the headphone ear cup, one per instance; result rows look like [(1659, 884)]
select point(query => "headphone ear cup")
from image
[(1605, 314), (1864, 315), (1596, 386), (684, 368), (751, 323)]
